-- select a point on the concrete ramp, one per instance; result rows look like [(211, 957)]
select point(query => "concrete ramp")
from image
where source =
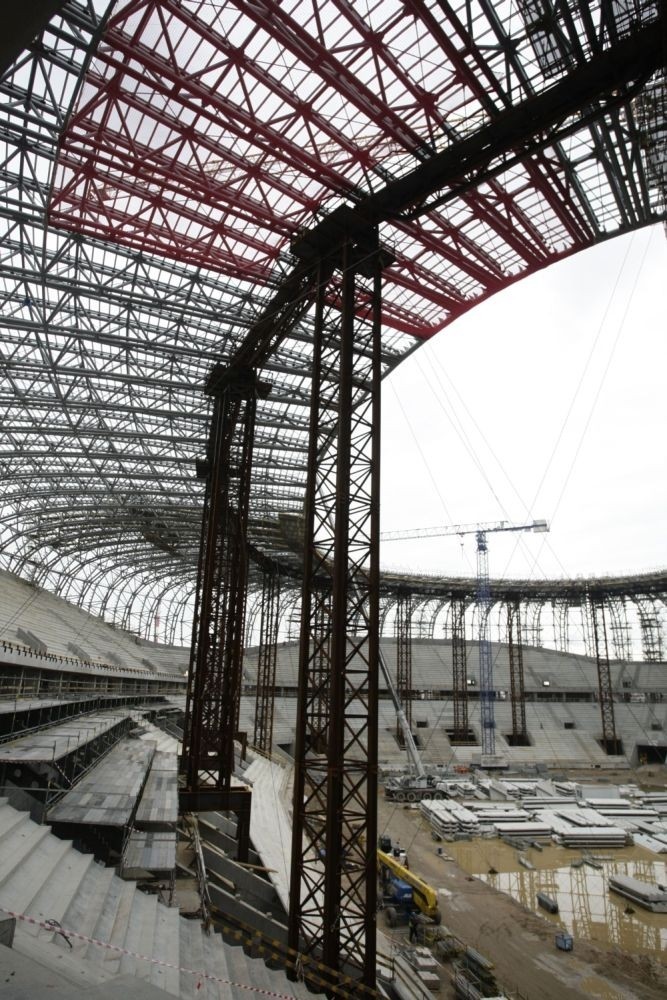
[(271, 823)]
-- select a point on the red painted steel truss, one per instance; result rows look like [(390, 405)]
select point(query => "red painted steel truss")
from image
[(213, 133)]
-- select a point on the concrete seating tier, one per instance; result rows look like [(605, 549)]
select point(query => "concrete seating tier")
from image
[(62, 629), (46, 879), (550, 741), (432, 668)]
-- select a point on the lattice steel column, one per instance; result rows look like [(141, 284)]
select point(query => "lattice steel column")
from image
[(487, 693), (561, 621), (519, 735), (403, 635), (619, 627), (651, 630), (532, 623), (459, 672), (266, 661), (610, 743), (333, 879), (214, 684)]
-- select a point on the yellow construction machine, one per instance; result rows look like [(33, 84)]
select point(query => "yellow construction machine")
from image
[(404, 893)]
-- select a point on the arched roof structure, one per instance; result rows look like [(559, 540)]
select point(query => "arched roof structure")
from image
[(169, 164)]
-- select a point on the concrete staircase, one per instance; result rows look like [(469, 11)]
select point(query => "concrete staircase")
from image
[(45, 879)]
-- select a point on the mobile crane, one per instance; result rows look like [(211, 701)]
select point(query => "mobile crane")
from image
[(403, 892), (417, 784)]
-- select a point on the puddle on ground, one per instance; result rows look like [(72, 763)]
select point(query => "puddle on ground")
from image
[(586, 909)]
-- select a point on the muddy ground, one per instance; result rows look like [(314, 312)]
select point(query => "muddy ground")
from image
[(518, 941)]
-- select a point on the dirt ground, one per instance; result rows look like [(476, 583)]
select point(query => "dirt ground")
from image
[(519, 942)]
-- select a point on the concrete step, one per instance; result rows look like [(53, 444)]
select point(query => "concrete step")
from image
[(17, 845), (84, 911), (56, 895), (118, 937), (111, 923), (216, 966), (68, 964), (237, 968), (277, 981), (10, 818), (185, 950), (139, 937), (166, 948), (205, 946), (37, 870), (192, 981)]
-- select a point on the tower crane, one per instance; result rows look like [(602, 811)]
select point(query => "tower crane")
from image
[(486, 691)]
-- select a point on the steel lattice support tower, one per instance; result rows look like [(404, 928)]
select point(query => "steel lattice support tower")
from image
[(517, 693), (651, 631), (561, 620), (619, 627), (214, 683), (486, 691), (459, 671), (332, 912), (596, 614), (403, 633), (266, 661)]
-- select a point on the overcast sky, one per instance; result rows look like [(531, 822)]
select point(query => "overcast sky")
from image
[(547, 401)]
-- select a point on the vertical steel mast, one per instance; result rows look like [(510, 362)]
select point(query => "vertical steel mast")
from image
[(333, 881), (486, 691)]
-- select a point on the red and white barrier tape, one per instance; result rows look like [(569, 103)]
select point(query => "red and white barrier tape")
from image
[(146, 958)]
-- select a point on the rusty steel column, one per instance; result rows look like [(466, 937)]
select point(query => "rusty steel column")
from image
[(333, 873), (532, 623), (214, 682), (560, 609), (610, 743), (403, 634), (651, 630), (619, 627), (519, 736), (266, 661), (459, 672)]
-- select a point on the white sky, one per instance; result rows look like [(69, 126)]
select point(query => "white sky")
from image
[(547, 401)]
